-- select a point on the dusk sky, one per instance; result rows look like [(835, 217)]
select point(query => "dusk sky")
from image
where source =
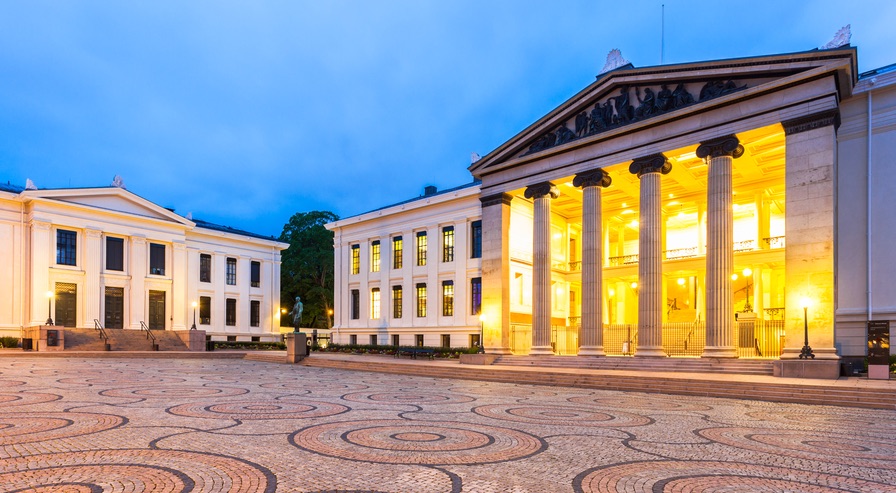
[(244, 113)]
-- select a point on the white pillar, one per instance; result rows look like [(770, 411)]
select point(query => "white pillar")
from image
[(40, 272), (137, 270), (720, 154), (650, 255), (495, 273), (93, 265), (542, 194), (179, 279), (592, 337)]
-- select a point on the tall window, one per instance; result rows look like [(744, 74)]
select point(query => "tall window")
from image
[(396, 339), (397, 296), (448, 244), (356, 304), (231, 271), (375, 303), (205, 310), (230, 312), (421, 299), (421, 248), (254, 313), (447, 298), (397, 252), (446, 340), (356, 259), (476, 290), (375, 256), (157, 259), (476, 239), (255, 281), (66, 247), (114, 253), (205, 267), (66, 304)]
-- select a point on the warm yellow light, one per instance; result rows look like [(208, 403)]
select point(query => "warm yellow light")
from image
[(557, 236), (748, 272), (283, 310), (194, 304), (633, 224), (671, 195), (674, 202), (482, 317), (559, 291), (50, 294), (624, 204), (628, 211), (612, 292), (735, 206), (681, 281), (634, 285), (330, 311), (733, 277), (805, 302)]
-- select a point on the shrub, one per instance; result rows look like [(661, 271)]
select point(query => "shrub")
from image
[(251, 346), (8, 341), (438, 352)]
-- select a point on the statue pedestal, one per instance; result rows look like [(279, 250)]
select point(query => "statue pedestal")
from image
[(296, 346)]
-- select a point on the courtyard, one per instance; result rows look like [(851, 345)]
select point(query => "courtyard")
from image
[(92, 425)]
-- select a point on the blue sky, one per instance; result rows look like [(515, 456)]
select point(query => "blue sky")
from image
[(244, 113)]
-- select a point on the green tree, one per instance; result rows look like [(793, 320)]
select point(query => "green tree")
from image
[(306, 268)]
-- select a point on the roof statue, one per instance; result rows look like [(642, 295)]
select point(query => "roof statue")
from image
[(118, 182), (190, 216), (841, 38), (614, 61), (474, 156), (29, 185)]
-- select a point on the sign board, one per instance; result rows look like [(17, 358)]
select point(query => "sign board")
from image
[(52, 338), (878, 342)]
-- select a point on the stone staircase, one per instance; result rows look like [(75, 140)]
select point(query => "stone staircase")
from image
[(121, 340), (689, 365)]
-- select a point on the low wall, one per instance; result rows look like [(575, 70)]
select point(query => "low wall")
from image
[(46, 337), (193, 339)]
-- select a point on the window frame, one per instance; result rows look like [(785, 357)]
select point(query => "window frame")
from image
[(230, 271), (230, 312), (205, 310), (156, 249), (66, 247), (255, 274), (254, 313), (355, 304), (476, 239), (374, 303), (421, 244), (475, 295), (397, 252), (356, 258), (448, 244), (205, 267), (119, 243), (397, 301), (375, 256), (421, 300), (447, 298)]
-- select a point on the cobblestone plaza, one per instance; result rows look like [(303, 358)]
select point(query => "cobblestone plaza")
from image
[(91, 425)]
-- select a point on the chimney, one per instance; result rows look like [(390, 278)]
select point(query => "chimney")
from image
[(429, 190)]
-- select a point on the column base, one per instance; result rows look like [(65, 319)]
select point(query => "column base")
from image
[(498, 350), (592, 351), (820, 353), (541, 351), (650, 352), (719, 352)]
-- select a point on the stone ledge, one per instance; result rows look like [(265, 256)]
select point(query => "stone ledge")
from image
[(796, 368), (478, 359)]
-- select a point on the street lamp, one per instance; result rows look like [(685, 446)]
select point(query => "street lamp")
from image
[(747, 273), (49, 307), (194, 315), (482, 319), (807, 351)]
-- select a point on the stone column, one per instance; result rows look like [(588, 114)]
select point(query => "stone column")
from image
[(542, 194), (137, 269), (179, 277), (94, 293), (592, 333), (650, 254), (495, 272), (719, 154), (41, 256)]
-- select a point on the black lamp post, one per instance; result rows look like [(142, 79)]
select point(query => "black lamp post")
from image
[(49, 307), (193, 327), (807, 351), (482, 333)]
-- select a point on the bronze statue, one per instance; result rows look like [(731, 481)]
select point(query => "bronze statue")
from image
[(664, 98), (296, 313)]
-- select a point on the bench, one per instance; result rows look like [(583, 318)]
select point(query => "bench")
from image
[(413, 352)]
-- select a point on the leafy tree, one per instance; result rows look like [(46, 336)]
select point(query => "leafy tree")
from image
[(306, 268)]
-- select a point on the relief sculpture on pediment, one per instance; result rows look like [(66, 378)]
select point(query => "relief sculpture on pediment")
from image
[(616, 111)]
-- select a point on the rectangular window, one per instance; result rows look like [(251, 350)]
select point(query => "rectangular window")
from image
[(157, 259), (353, 340), (205, 267), (231, 271), (476, 291), (230, 312), (397, 252), (66, 304), (421, 300), (157, 310), (375, 303), (373, 340), (356, 304), (447, 298), (448, 244), (397, 296), (256, 338), (396, 339), (356, 259), (231, 338), (254, 313), (474, 340), (476, 239), (421, 248), (114, 253), (205, 310), (418, 340), (66, 247), (255, 274), (446, 340), (375, 256)]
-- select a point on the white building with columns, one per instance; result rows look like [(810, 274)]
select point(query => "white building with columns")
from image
[(710, 209), (83, 256)]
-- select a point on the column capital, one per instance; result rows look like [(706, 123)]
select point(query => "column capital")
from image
[(138, 240), (496, 199), (539, 190), (721, 146), (41, 225), (592, 178), (654, 163), (811, 122), (94, 233)]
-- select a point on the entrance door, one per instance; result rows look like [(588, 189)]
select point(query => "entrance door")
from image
[(66, 304), (114, 318), (157, 310)]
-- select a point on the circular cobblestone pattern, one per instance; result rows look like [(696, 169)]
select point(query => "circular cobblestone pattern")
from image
[(280, 409)]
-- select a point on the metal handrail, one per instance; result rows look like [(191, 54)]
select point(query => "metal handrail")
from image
[(98, 326), (149, 334)]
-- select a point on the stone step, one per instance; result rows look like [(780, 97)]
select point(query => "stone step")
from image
[(735, 366), (275, 357), (121, 340)]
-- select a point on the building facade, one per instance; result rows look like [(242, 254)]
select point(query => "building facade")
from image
[(107, 256), (717, 209)]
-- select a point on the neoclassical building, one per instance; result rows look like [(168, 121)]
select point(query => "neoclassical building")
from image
[(87, 256), (718, 209)]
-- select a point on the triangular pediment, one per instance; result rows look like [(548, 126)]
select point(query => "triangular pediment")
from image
[(110, 199), (629, 98)]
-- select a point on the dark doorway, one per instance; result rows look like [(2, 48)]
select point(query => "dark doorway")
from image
[(114, 317), (67, 304), (157, 310)]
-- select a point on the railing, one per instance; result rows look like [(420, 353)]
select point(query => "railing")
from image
[(149, 334), (99, 327), (677, 253), (620, 339), (565, 339), (775, 241), (773, 312), (760, 338), (520, 338), (744, 246), (575, 266), (624, 260), (684, 338)]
